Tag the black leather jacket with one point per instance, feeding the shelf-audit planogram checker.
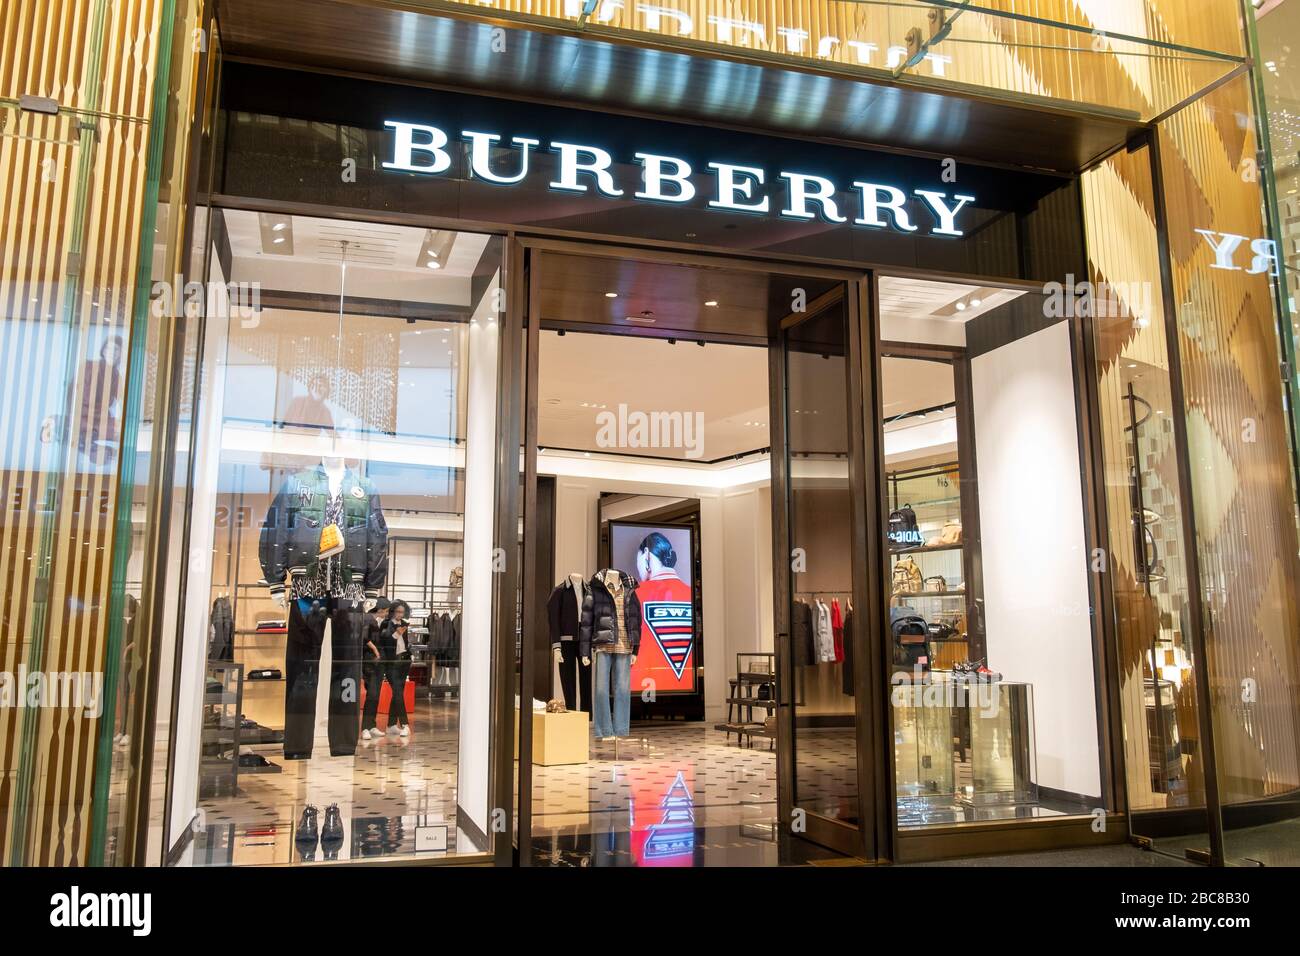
(290, 540)
(599, 623)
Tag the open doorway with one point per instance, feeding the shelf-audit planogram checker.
(649, 646)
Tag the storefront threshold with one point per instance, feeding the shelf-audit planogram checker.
(1011, 836)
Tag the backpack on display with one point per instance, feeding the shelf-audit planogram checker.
(937, 584)
(907, 577)
(903, 531)
(911, 640)
(951, 533)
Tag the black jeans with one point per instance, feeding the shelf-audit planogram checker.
(302, 674)
(372, 671)
(575, 678)
(396, 671)
(375, 672)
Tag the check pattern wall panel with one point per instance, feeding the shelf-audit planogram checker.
(1243, 493)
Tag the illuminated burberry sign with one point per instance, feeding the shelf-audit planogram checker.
(418, 148)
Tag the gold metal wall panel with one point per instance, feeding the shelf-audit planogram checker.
(1242, 488)
(1134, 57)
(70, 224)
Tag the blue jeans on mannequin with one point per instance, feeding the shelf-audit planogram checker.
(619, 668)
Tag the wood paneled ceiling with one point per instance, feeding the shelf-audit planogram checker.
(380, 40)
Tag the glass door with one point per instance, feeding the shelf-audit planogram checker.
(824, 609)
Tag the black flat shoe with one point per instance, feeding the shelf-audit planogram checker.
(307, 834)
(331, 834)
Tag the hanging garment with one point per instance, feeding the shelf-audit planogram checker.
(825, 637)
(221, 631)
(802, 643)
(837, 629)
(846, 675)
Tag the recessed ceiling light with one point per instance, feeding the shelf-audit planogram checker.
(278, 239)
(975, 303)
(711, 303)
(280, 227)
(434, 264)
(961, 306)
(611, 295)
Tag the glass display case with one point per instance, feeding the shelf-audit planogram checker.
(963, 751)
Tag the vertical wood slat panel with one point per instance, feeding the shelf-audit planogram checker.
(48, 47)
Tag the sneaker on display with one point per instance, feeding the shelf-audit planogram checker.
(365, 735)
(405, 731)
(376, 733)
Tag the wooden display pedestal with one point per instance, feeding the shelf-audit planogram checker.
(560, 738)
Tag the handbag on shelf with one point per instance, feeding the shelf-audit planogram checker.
(937, 584)
(939, 630)
(903, 531)
(951, 534)
(906, 577)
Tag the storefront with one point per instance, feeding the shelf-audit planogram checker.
(901, 447)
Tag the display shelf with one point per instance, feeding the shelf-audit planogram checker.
(219, 774)
(743, 697)
(925, 549)
(958, 592)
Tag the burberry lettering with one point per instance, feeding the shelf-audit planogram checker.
(418, 148)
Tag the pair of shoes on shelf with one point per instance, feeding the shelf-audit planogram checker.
(309, 833)
(974, 671)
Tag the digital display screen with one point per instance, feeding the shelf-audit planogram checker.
(660, 558)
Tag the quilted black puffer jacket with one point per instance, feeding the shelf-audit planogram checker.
(599, 623)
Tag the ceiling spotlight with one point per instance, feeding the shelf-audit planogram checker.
(711, 303)
(700, 344)
(436, 248)
(611, 295)
(276, 233)
(672, 341)
(975, 303)
(961, 306)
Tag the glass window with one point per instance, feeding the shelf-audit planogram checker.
(335, 672)
(991, 624)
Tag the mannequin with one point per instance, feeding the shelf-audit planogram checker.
(571, 677)
(324, 554)
(609, 635)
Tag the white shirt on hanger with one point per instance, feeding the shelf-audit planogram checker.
(825, 636)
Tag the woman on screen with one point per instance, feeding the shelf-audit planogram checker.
(667, 614)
